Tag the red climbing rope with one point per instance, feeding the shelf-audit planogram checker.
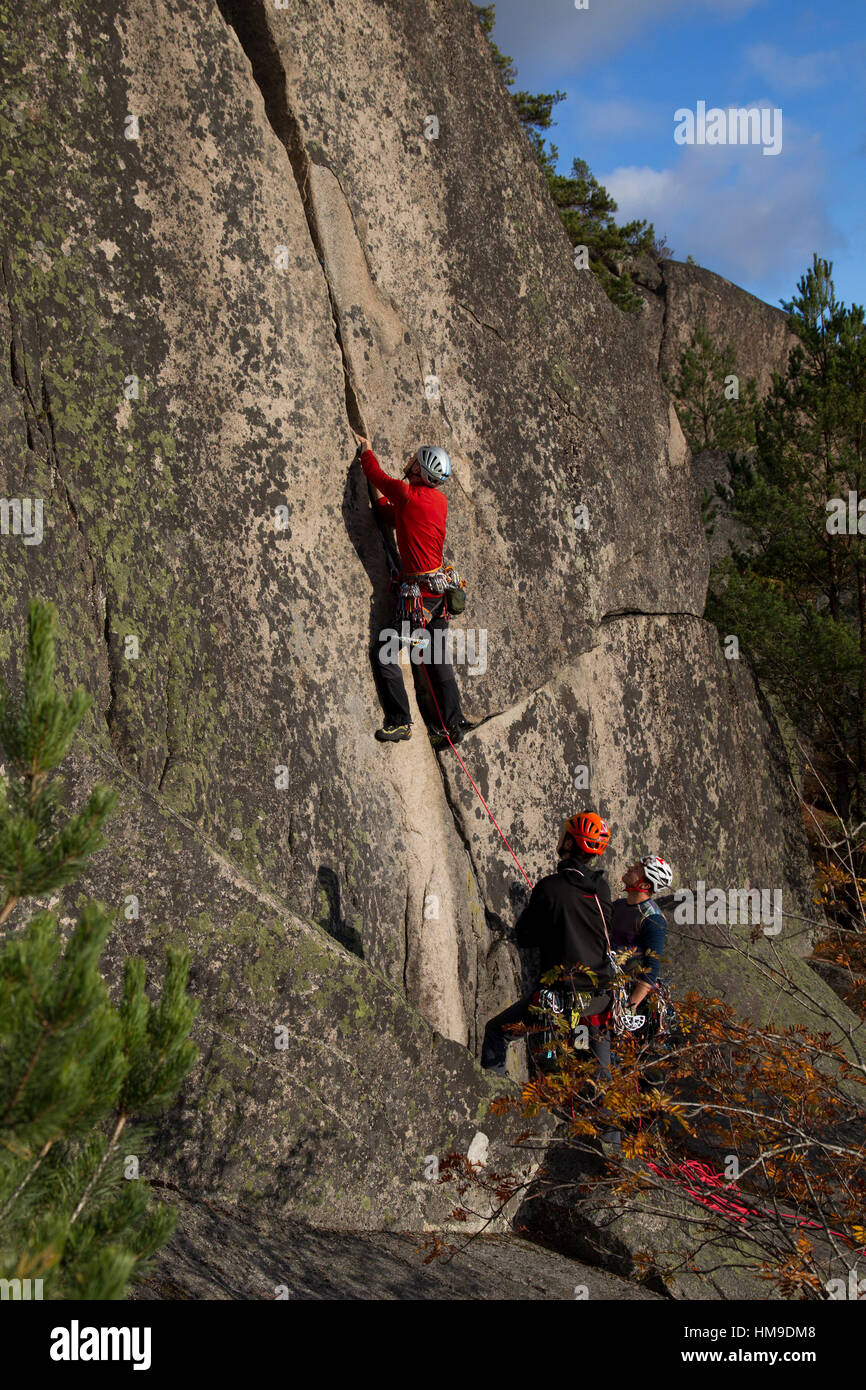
(469, 775)
(709, 1188)
(694, 1177)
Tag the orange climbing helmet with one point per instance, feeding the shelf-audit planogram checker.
(589, 832)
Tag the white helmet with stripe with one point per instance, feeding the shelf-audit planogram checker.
(657, 871)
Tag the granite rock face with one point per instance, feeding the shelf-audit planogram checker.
(228, 240)
(212, 1255)
(679, 296)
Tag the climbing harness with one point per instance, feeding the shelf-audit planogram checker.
(410, 604)
(454, 589)
(438, 581)
(561, 1015)
(572, 1002)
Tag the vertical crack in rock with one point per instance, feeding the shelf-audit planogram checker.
(664, 318)
(406, 942)
(98, 581)
(36, 405)
(18, 357)
(477, 1024)
(170, 752)
(458, 820)
(248, 19)
(111, 711)
(166, 765)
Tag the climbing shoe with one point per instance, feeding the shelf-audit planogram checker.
(439, 739)
(394, 733)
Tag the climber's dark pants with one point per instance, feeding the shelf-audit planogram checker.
(495, 1045)
(599, 1046)
(392, 691)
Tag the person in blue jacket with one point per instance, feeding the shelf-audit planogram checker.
(637, 923)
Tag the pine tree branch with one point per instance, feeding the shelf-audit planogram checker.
(121, 1121)
(26, 1077)
(46, 1029)
(25, 1180)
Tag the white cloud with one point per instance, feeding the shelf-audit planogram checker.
(804, 71)
(565, 39)
(644, 192)
(746, 217)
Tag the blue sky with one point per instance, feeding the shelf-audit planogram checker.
(628, 65)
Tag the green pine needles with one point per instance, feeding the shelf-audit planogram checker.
(707, 392)
(585, 207)
(794, 589)
(77, 1073)
(37, 857)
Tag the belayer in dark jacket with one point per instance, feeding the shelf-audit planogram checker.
(568, 918)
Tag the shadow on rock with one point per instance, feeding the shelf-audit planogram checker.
(330, 917)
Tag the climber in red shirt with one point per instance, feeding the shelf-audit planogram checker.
(417, 510)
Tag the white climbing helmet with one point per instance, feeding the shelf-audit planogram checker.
(657, 871)
(434, 463)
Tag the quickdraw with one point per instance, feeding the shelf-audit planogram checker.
(410, 605)
(562, 1012)
(558, 1022)
(620, 1017)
